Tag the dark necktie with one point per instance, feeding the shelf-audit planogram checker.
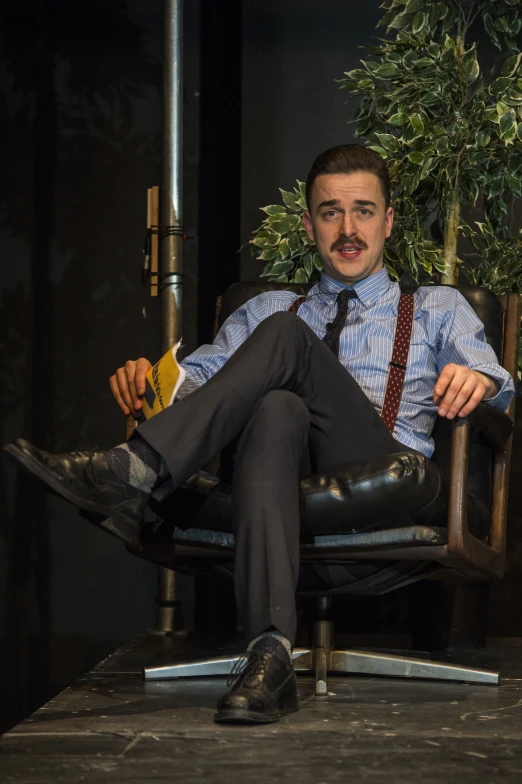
(334, 329)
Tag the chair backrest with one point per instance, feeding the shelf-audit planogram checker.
(492, 312)
(239, 293)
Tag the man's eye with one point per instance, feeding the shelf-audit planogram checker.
(330, 214)
(364, 212)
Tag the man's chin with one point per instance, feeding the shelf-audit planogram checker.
(350, 271)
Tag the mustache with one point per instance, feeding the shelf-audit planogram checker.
(343, 240)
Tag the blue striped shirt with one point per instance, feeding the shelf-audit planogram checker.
(445, 330)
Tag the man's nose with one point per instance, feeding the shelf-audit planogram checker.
(348, 226)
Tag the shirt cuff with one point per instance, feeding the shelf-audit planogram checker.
(507, 388)
(189, 385)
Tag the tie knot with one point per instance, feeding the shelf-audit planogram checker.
(346, 294)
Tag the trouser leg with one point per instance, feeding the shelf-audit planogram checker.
(282, 353)
(269, 457)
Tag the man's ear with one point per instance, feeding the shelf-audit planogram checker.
(389, 221)
(307, 223)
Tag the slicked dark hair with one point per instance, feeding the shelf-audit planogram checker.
(347, 159)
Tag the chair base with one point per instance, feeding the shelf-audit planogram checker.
(325, 662)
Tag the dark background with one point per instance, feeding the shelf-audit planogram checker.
(80, 142)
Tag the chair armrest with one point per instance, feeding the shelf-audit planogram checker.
(496, 426)
(488, 560)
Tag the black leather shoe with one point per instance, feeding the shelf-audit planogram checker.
(265, 689)
(86, 479)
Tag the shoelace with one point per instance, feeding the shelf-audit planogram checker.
(89, 470)
(83, 452)
(245, 666)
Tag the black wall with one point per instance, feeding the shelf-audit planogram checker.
(80, 142)
(292, 106)
(80, 122)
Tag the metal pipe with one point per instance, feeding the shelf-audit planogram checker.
(171, 249)
(169, 616)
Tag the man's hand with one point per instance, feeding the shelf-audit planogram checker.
(128, 385)
(459, 390)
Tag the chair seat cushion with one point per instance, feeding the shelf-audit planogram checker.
(390, 537)
(357, 496)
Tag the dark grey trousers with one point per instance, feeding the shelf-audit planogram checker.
(294, 410)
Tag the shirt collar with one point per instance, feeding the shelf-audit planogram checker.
(368, 290)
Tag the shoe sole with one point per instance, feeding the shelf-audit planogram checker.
(114, 523)
(289, 704)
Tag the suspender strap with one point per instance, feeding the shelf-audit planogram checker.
(399, 360)
(294, 307)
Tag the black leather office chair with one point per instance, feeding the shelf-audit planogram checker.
(404, 517)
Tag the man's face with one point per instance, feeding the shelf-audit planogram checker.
(349, 223)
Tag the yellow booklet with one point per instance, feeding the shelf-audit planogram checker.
(162, 383)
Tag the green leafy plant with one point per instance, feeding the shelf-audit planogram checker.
(458, 150)
(282, 241)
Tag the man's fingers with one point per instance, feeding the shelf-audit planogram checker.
(443, 382)
(130, 372)
(474, 400)
(128, 385)
(116, 392)
(451, 392)
(463, 396)
(142, 368)
(123, 386)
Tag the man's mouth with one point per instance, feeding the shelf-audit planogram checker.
(349, 251)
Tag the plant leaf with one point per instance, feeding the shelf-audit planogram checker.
(513, 96)
(483, 137)
(266, 242)
(490, 29)
(294, 243)
(308, 263)
(400, 118)
(472, 70)
(282, 267)
(511, 65)
(507, 122)
(290, 199)
(318, 264)
(269, 254)
(419, 21)
(417, 123)
(400, 21)
(274, 209)
(266, 270)
(388, 141)
(382, 152)
(387, 71)
(300, 276)
(499, 85)
(414, 5)
(282, 224)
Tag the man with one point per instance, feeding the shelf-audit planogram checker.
(300, 393)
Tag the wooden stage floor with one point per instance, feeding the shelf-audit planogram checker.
(111, 726)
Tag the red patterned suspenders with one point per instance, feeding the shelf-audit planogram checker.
(399, 360)
(294, 307)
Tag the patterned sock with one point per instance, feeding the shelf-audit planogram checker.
(273, 642)
(138, 464)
